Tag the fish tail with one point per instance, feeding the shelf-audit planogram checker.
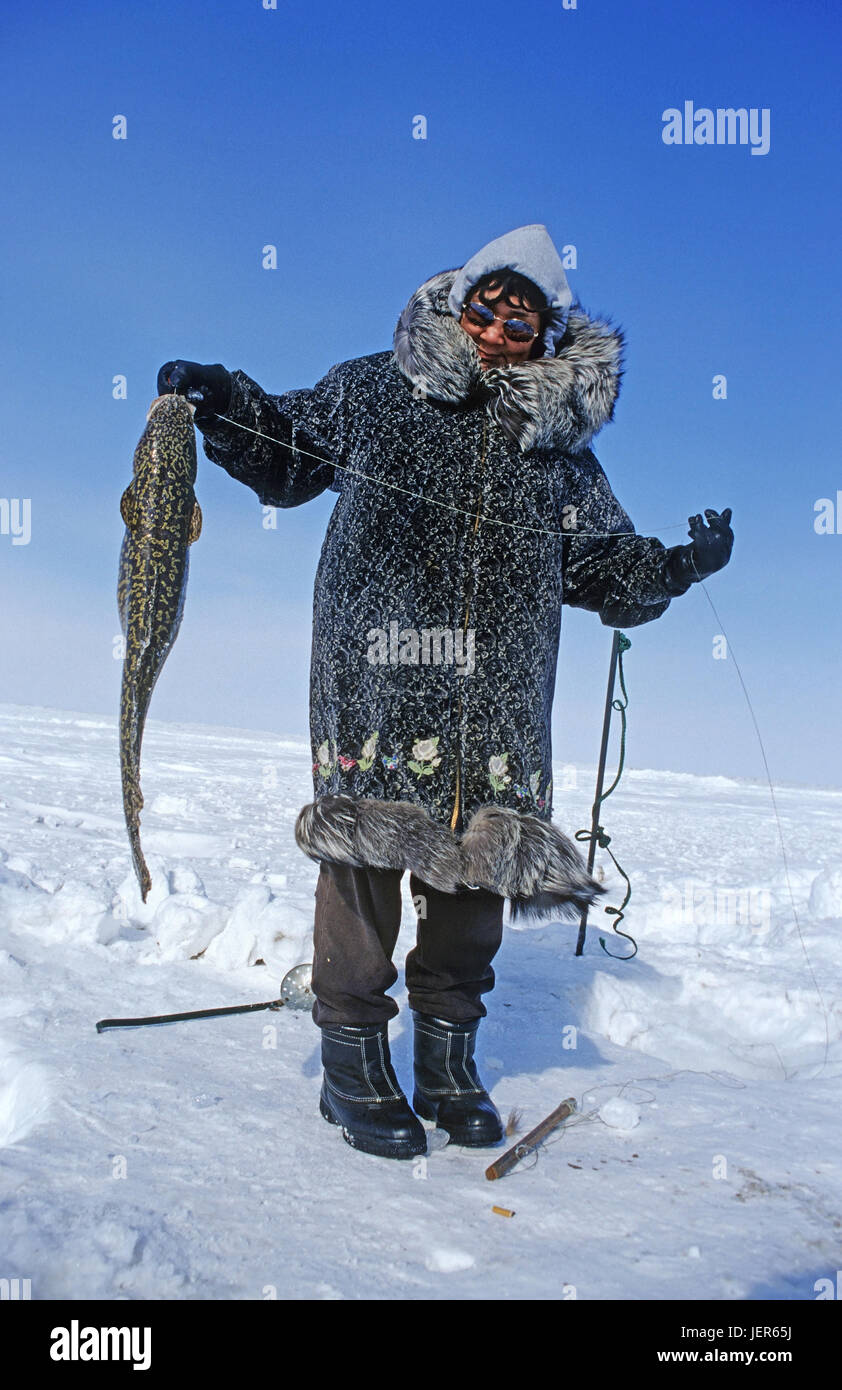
(132, 806)
(132, 719)
(140, 867)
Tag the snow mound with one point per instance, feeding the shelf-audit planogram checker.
(751, 1024)
(826, 894)
(698, 912)
(263, 927)
(73, 910)
(24, 1095)
(618, 1113)
(185, 925)
(714, 781)
(446, 1260)
(182, 923)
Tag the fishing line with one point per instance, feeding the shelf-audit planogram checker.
(582, 1116)
(777, 821)
(600, 535)
(433, 501)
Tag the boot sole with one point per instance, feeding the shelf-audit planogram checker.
(380, 1148)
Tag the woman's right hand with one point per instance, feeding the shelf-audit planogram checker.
(206, 387)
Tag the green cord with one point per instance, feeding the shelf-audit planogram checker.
(602, 839)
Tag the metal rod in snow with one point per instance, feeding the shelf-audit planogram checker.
(105, 1023)
(600, 779)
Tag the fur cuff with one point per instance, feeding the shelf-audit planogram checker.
(369, 833)
(529, 861)
(518, 856)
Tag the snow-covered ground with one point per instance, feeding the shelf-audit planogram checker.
(189, 1161)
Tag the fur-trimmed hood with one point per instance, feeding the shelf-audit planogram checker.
(556, 402)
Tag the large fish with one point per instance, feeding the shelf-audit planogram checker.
(162, 520)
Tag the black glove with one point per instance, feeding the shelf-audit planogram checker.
(709, 552)
(208, 388)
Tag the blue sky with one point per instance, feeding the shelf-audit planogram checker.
(293, 126)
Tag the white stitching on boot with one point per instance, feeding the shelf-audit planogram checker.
(383, 1065)
(447, 1036)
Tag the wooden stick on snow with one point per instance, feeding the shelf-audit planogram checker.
(530, 1141)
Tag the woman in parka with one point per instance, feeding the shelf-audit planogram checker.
(470, 508)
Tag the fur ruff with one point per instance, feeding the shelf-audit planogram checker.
(367, 832)
(529, 861)
(516, 855)
(556, 402)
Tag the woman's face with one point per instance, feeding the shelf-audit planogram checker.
(494, 348)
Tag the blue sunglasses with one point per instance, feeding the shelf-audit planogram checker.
(482, 317)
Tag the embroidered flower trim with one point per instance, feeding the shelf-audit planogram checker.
(325, 765)
(425, 756)
(423, 762)
(524, 793)
(366, 757)
(498, 771)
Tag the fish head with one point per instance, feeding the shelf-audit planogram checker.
(171, 405)
(168, 442)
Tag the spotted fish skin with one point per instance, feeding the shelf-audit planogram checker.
(162, 520)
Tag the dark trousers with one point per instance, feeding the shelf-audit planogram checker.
(358, 914)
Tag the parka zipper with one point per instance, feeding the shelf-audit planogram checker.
(456, 805)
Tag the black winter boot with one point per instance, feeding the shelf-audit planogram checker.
(360, 1092)
(447, 1087)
